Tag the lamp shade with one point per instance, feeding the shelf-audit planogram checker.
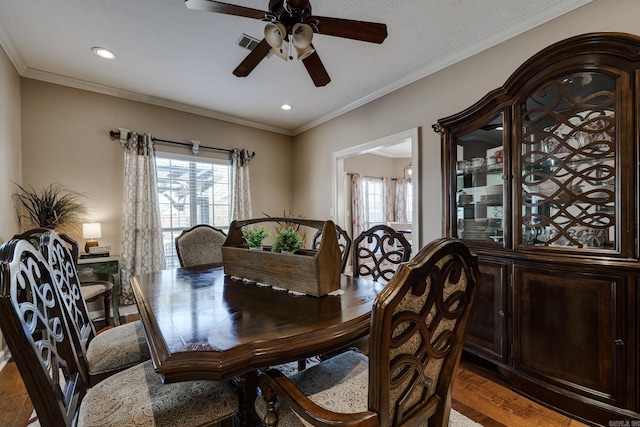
(91, 230)
(408, 171)
(274, 33)
(302, 35)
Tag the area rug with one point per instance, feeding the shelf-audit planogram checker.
(456, 419)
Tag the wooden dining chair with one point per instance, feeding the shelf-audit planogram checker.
(97, 286)
(36, 326)
(112, 350)
(418, 325)
(344, 243)
(378, 251)
(200, 245)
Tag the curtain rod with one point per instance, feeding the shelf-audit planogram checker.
(372, 177)
(116, 134)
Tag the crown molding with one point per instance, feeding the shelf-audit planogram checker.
(147, 99)
(496, 38)
(12, 52)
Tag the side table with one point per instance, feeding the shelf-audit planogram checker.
(111, 265)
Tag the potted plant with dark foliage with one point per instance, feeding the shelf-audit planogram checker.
(52, 207)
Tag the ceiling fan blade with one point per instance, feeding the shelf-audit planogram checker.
(357, 30)
(253, 59)
(228, 9)
(316, 70)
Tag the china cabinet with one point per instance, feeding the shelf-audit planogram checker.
(541, 180)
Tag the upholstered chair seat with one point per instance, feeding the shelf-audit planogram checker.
(90, 292)
(327, 384)
(137, 397)
(117, 348)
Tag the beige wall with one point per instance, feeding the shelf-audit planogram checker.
(65, 137)
(370, 165)
(422, 103)
(10, 160)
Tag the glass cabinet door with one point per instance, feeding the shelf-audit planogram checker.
(567, 164)
(480, 183)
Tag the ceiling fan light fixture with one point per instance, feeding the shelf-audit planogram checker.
(302, 35)
(301, 38)
(282, 52)
(305, 53)
(275, 34)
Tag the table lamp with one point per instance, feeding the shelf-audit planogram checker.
(91, 231)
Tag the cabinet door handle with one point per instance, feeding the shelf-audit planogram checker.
(505, 177)
(501, 313)
(619, 342)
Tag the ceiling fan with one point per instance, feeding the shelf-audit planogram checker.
(290, 22)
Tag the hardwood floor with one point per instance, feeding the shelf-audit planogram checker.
(478, 393)
(481, 394)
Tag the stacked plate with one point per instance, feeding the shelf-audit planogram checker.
(475, 229)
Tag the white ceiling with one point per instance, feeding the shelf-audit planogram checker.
(171, 56)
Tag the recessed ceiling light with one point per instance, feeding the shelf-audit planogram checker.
(286, 107)
(103, 53)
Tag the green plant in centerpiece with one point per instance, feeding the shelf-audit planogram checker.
(287, 240)
(255, 235)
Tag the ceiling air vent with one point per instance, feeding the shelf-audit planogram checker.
(248, 42)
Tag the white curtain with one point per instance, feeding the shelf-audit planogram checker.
(388, 199)
(401, 200)
(142, 248)
(357, 205)
(240, 189)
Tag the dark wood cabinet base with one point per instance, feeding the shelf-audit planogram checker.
(586, 410)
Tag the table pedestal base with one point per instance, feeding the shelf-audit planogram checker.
(247, 387)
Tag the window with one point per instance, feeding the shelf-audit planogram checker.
(191, 191)
(373, 202)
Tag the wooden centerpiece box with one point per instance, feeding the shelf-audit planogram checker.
(313, 272)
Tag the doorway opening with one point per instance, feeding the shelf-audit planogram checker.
(403, 144)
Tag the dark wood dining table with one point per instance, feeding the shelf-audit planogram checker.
(203, 324)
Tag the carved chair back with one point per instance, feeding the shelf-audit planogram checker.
(378, 251)
(418, 325)
(59, 255)
(105, 280)
(34, 323)
(34, 235)
(344, 243)
(200, 245)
